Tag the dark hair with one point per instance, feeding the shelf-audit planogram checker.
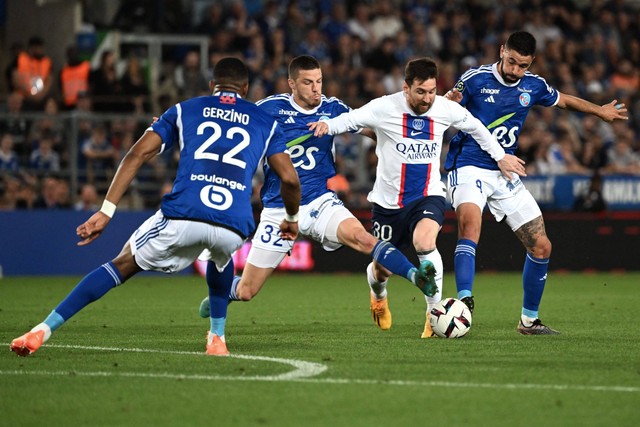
(420, 69)
(35, 41)
(522, 42)
(303, 62)
(230, 71)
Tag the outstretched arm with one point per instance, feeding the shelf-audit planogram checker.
(290, 192)
(607, 112)
(143, 150)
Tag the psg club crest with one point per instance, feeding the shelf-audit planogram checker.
(525, 99)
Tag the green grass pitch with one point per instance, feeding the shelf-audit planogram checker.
(306, 353)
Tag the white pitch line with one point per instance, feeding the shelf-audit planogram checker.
(443, 384)
(302, 369)
(303, 373)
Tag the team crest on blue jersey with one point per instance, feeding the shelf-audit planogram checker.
(525, 99)
(228, 98)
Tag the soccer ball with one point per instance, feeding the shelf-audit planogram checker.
(450, 318)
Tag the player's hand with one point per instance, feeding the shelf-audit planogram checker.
(511, 164)
(92, 228)
(288, 230)
(614, 111)
(318, 128)
(454, 95)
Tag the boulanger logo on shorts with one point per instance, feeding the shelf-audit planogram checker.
(217, 196)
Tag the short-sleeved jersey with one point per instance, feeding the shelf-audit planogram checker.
(222, 140)
(501, 107)
(313, 158)
(408, 145)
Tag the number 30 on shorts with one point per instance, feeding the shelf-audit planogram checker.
(382, 232)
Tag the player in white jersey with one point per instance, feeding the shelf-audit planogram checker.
(222, 139)
(408, 195)
(323, 217)
(501, 95)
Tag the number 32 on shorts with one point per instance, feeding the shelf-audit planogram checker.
(271, 235)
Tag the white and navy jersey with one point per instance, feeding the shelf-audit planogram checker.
(222, 140)
(501, 107)
(409, 145)
(313, 158)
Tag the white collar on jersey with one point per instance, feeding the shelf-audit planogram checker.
(218, 92)
(302, 110)
(496, 74)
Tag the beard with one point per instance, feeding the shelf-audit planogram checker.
(508, 78)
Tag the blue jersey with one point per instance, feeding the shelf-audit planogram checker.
(312, 157)
(222, 139)
(501, 107)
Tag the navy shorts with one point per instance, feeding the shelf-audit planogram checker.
(396, 225)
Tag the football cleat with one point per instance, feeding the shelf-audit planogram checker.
(205, 309)
(216, 346)
(536, 328)
(426, 278)
(28, 343)
(428, 332)
(468, 301)
(380, 312)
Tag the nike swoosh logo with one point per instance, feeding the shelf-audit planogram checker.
(426, 212)
(413, 133)
(299, 140)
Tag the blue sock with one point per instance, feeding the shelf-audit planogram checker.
(219, 288)
(234, 287)
(54, 321)
(217, 325)
(93, 286)
(393, 259)
(534, 277)
(464, 260)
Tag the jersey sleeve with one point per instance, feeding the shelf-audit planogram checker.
(354, 120)
(464, 87)
(167, 127)
(276, 142)
(549, 96)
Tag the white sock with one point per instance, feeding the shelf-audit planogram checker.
(210, 336)
(43, 327)
(378, 289)
(436, 259)
(526, 320)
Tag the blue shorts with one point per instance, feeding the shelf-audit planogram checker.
(396, 225)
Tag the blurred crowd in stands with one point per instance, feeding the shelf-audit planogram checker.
(59, 117)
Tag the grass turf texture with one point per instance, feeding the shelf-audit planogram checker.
(589, 375)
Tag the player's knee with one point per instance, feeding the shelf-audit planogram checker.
(542, 248)
(244, 293)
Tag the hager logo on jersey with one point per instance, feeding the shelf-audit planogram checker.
(417, 127)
